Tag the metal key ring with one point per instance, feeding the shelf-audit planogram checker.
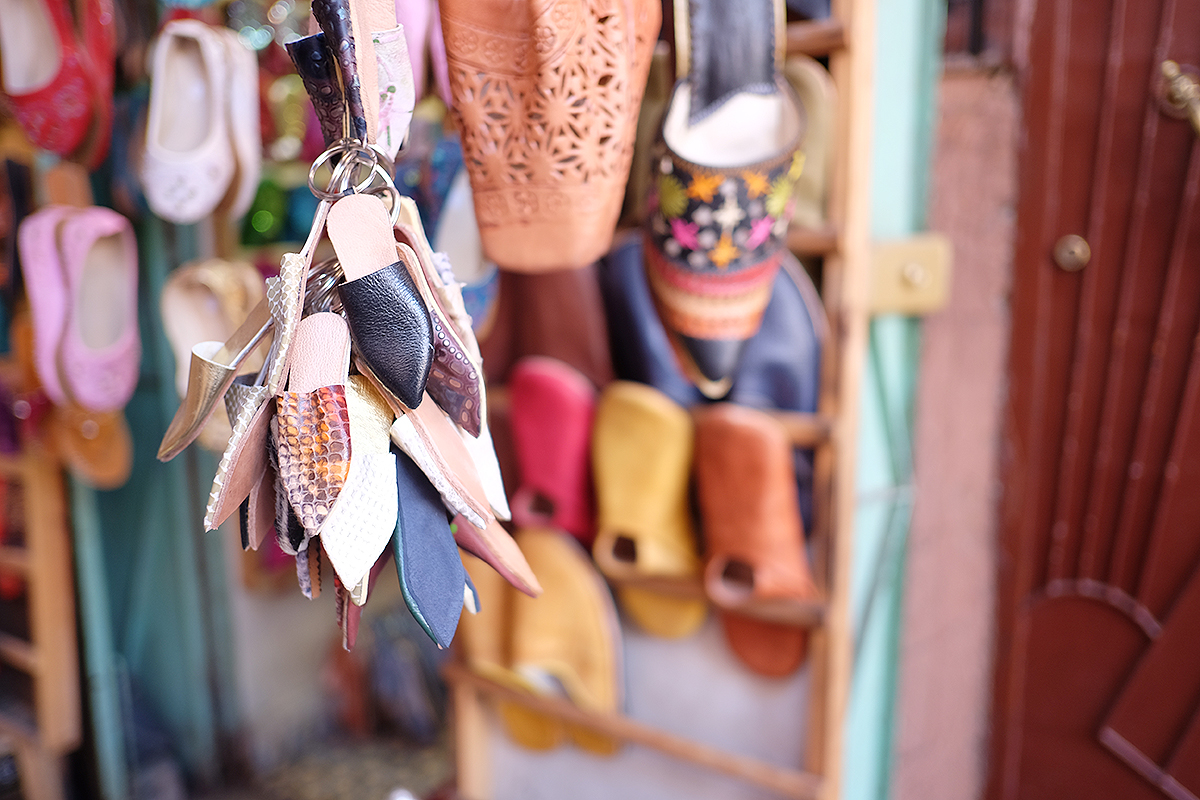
(341, 179)
(321, 292)
(351, 155)
(344, 147)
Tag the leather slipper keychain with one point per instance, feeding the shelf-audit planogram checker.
(388, 320)
(428, 566)
(246, 401)
(313, 421)
(360, 525)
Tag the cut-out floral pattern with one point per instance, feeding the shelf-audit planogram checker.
(548, 125)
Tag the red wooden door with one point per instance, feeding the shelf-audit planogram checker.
(1100, 524)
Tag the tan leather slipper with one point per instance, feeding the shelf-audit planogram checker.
(754, 539)
(97, 446)
(485, 639)
(207, 300)
(818, 95)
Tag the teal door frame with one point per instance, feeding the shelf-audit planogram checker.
(908, 52)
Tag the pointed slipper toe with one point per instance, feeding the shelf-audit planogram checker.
(430, 570)
(389, 321)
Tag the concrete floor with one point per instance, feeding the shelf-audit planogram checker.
(374, 769)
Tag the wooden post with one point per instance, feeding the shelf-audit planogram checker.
(51, 604)
(471, 745)
(847, 275)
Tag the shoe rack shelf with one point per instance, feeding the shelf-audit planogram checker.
(798, 613)
(789, 783)
(847, 39)
(817, 38)
(807, 242)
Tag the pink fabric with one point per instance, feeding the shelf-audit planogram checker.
(416, 16)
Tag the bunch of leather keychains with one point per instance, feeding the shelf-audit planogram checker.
(365, 431)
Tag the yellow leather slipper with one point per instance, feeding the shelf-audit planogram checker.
(641, 462)
(485, 640)
(568, 641)
(817, 93)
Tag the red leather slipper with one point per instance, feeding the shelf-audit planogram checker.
(552, 408)
(99, 44)
(45, 73)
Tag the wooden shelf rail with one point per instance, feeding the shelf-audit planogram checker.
(19, 653)
(11, 467)
(812, 241)
(804, 430)
(795, 784)
(14, 559)
(50, 656)
(798, 613)
(815, 38)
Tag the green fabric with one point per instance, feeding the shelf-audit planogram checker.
(167, 631)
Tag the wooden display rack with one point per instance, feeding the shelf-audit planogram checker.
(847, 38)
(50, 657)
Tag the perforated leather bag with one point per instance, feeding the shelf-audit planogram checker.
(546, 94)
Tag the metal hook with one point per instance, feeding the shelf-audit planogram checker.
(352, 155)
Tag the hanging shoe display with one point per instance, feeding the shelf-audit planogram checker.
(45, 73)
(202, 132)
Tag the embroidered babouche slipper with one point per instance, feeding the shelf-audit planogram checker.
(728, 160)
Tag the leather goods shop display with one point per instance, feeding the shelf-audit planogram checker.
(451, 296)
(351, 403)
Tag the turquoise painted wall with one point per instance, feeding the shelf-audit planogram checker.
(908, 50)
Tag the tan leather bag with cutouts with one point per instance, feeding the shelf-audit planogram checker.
(546, 96)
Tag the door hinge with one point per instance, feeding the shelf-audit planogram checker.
(910, 276)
